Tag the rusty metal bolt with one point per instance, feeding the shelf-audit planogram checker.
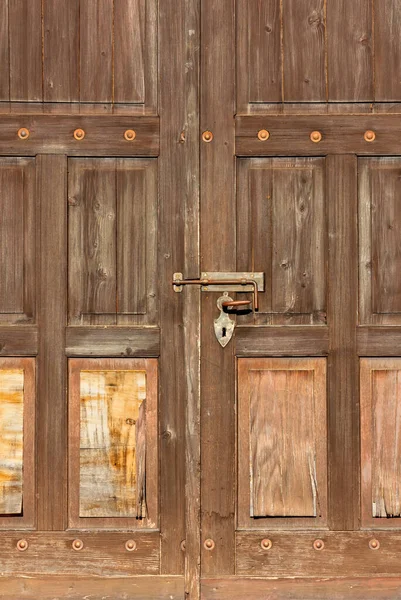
(263, 135)
(318, 544)
(207, 136)
(266, 544)
(22, 545)
(130, 545)
(374, 544)
(79, 134)
(316, 137)
(23, 133)
(369, 136)
(209, 544)
(130, 135)
(77, 545)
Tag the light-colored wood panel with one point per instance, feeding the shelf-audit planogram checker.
(113, 443)
(282, 400)
(380, 442)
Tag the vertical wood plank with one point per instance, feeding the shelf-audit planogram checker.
(259, 69)
(304, 50)
(349, 39)
(51, 402)
(218, 225)
(61, 50)
(179, 37)
(130, 52)
(4, 52)
(25, 31)
(96, 50)
(387, 24)
(342, 363)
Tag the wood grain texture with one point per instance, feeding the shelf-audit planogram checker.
(96, 51)
(343, 421)
(218, 226)
(359, 588)
(259, 68)
(379, 252)
(387, 55)
(349, 48)
(379, 341)
(25, 39)
(18, 341)
(105, 424)
(281, 341)
(52, 402)
(17, 465)
(130, 45)
(304, 50)
(4, 52)
(144, 587)
(279, 401)
(61, 50)
(111, 341)
(53, 134)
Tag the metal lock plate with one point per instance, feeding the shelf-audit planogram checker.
(223, 325)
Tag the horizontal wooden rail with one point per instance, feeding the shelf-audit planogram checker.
(282, 341)
(113, 341)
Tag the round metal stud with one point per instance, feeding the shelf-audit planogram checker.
(316, 137)
(183, 546)
(207, 136)
(22, 545)
(374, 544)
(369, 136)
(23, 133)
(79, 134)
(266, 544)
(130, 545)
(130, 135)
(263, 135)
(77, 545)
(318, 544)
(209, 544)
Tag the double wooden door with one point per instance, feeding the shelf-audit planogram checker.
(139, 458)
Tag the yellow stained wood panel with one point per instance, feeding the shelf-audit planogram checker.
(112, 448)
(11, 440)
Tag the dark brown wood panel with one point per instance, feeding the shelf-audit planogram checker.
(61, 48)
(18, 341)
(304, 50)
(343, 422)
(379, 341)
(387, 49)
(52, 401)
(281, 341)
(259, 68)
(18, 235)
(25, 39)
(111, 341)
(4, 52)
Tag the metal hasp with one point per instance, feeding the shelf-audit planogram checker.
(226, 282)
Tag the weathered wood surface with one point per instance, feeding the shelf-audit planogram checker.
(387, 49)
(281, 232)
(111, 341)
(113, 441)
(237, 588)
(280, 401)
(18, 341)
(281, 341)
(11, 440)
(379, 341)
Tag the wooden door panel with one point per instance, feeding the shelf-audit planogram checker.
(282, 232)
(282, 439)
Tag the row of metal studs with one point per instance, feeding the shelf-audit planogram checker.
(79, 134)
(316, 136)
(267, 544)
(23, 545)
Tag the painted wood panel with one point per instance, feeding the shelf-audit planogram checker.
(112, 241)
(280, 401)
(17, 234)
(380, 441)
(379, 235)
(281, 231)
(113, 427)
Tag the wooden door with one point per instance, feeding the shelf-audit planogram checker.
(139, 458)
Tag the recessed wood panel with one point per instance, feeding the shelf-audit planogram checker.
(379, 246)
(281, 231)
(17, 435)
(17, 234)
(113, 443)
(380, 441)
(280, 401)
(112, 242)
